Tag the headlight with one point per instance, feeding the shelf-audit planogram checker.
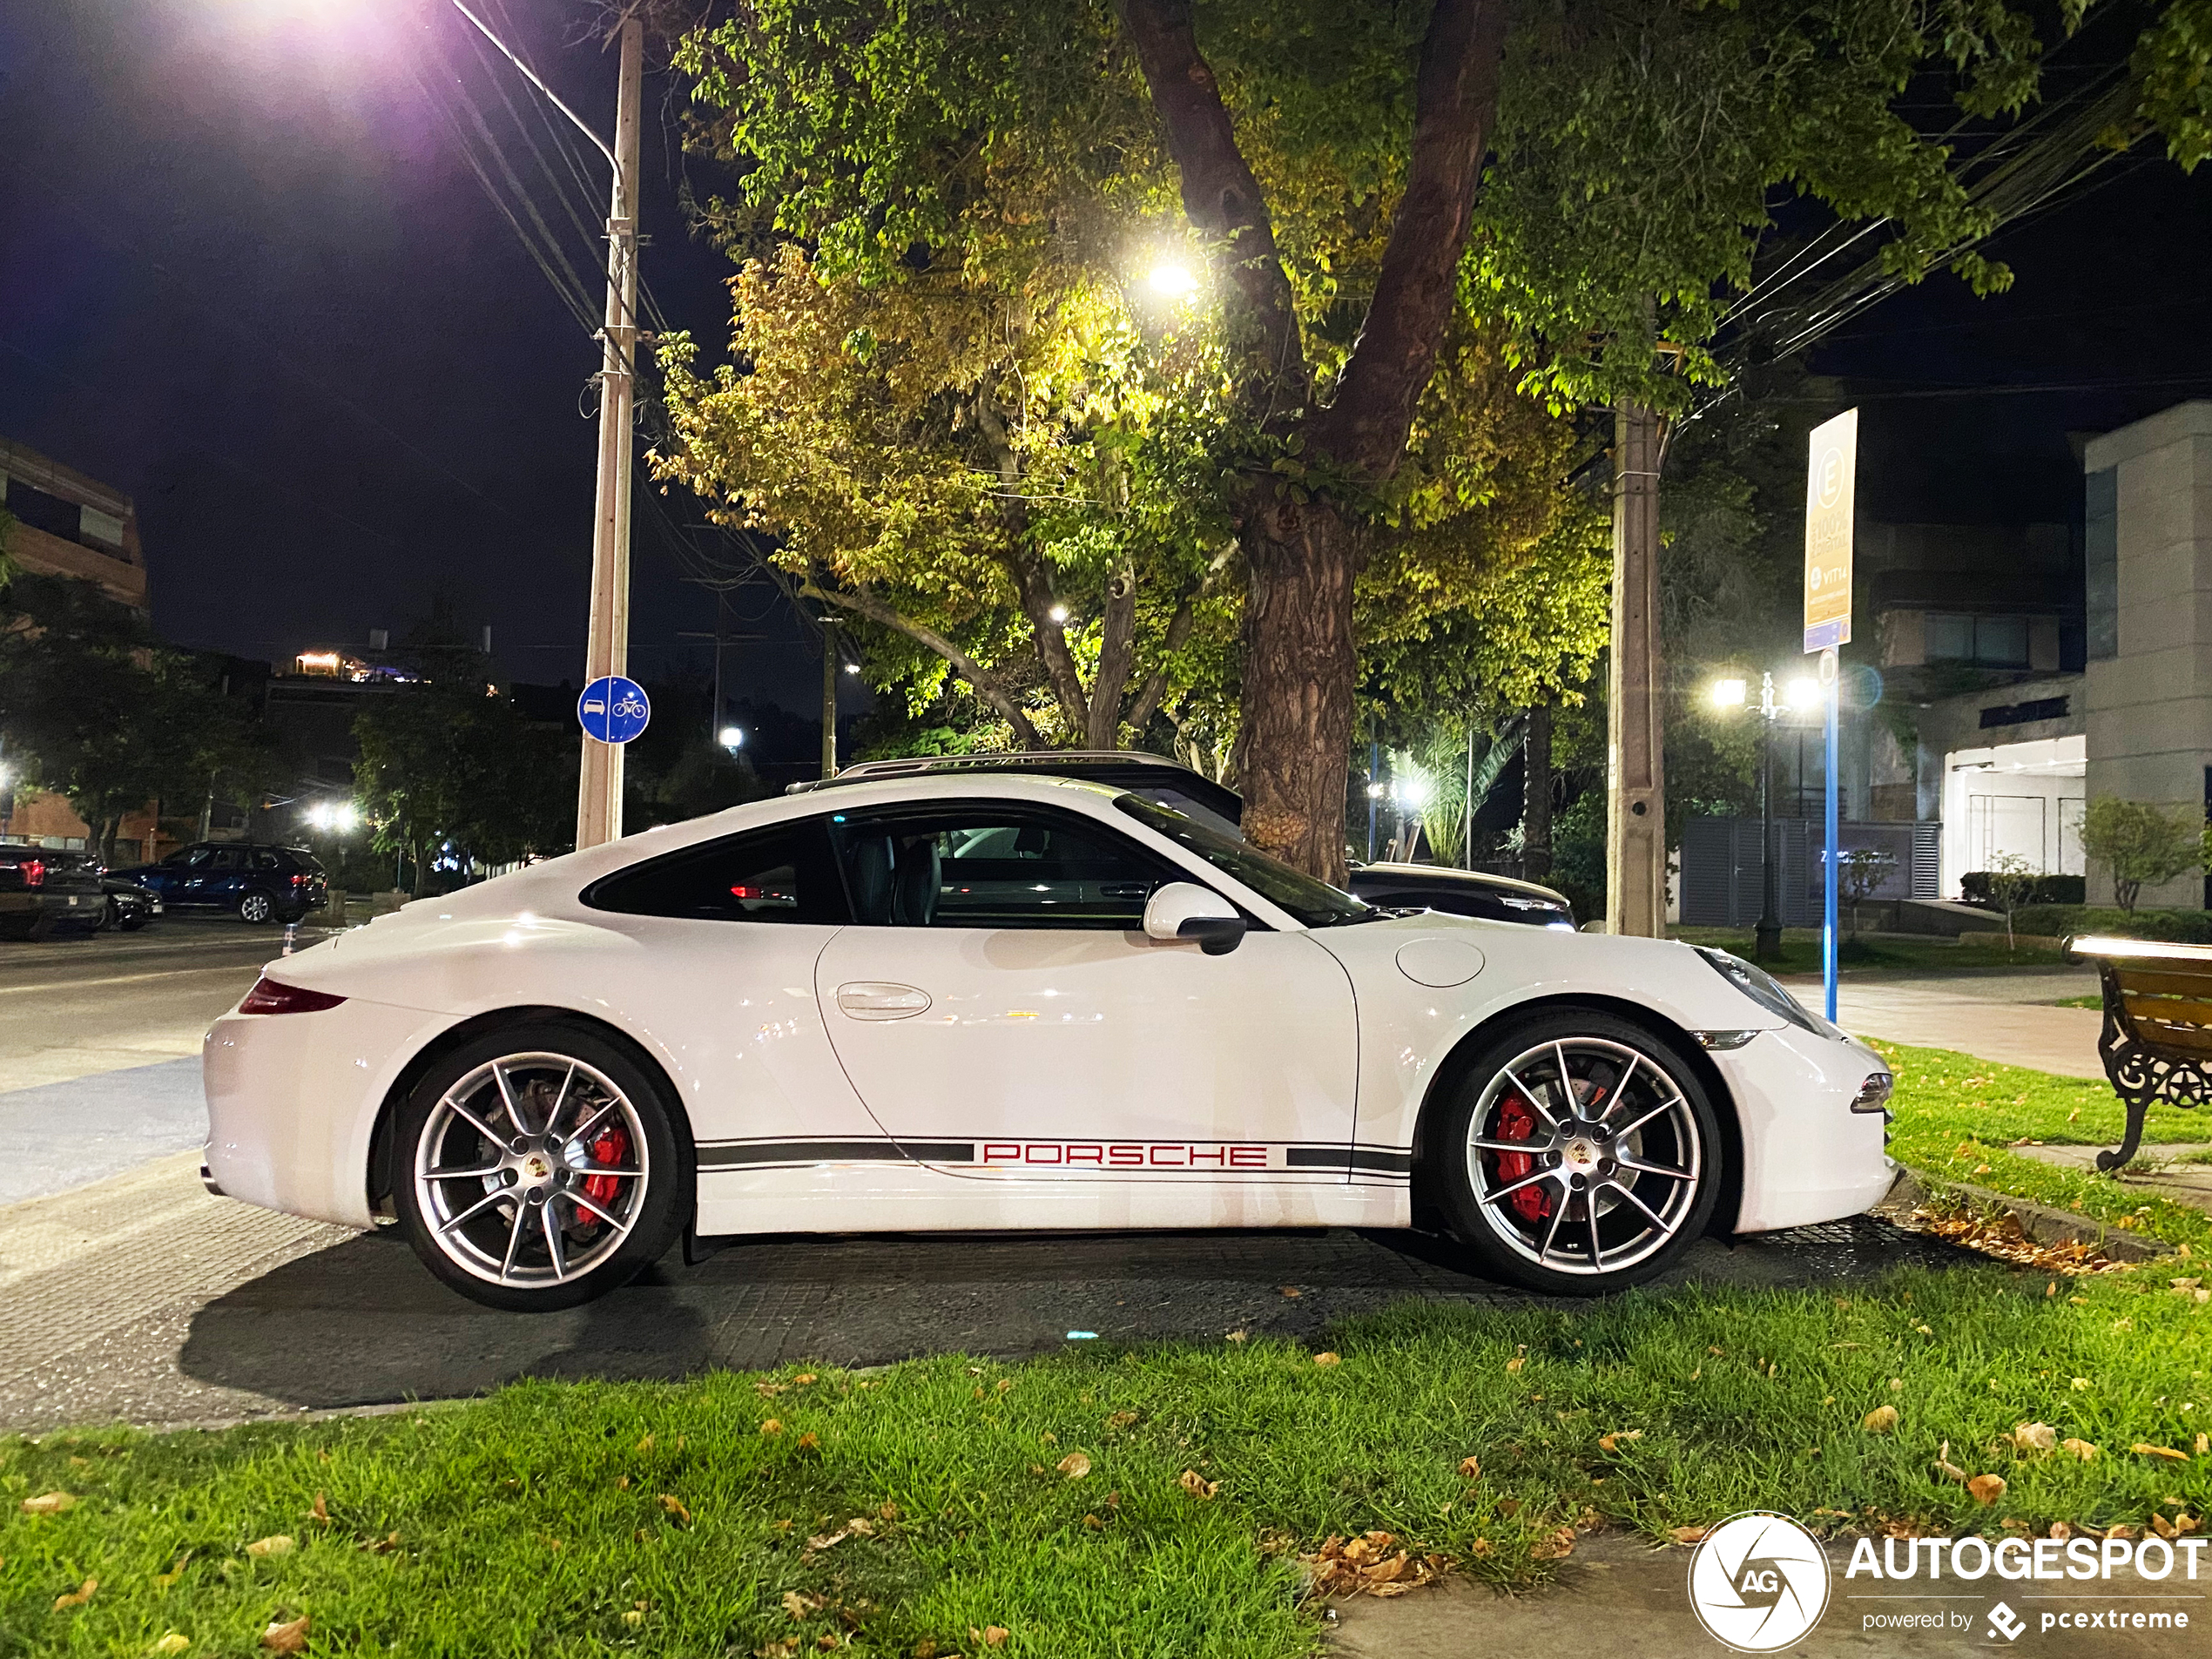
(1764, 989)
(1874, 1094)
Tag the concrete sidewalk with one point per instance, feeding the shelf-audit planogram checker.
(2004, 1015)
(1619, 1597)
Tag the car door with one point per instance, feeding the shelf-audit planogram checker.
(1001, 1012)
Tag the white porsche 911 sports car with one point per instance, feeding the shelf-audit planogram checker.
(1023, 1002)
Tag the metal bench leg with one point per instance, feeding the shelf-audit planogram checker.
(2138, 1107)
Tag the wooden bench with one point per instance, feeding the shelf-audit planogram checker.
(2156, 1043)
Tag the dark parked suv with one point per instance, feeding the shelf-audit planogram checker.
(260, 883)
(42, 892)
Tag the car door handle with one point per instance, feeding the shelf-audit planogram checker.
(1125, 890)
(882, 1000)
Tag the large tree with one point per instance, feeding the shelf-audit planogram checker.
(1328, 162)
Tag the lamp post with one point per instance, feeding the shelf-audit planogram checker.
(1766, 937)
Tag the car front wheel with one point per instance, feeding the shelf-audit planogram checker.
(1579, 1154)
(537, 1167)
(256, 908)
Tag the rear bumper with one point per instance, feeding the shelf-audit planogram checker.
(292, 1099)
(1807, 1157)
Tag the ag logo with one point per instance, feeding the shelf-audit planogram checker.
(1758, 1583)
(2003, 1621)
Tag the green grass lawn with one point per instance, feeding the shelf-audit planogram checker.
(1800, 951)
(717, 1517)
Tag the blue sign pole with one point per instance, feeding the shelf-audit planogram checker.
(1834, 858)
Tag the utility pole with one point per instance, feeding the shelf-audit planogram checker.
(829, 698)
(1536, 796)
(598, 806)
(1635, 839)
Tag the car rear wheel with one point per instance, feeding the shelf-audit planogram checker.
(256, 908)
(1579, 1154)
(537, 1167)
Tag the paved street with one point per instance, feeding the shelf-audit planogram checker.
(2001, 1014)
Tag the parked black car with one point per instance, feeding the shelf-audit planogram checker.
(42, 893)
(1428, 887)
(126, 907)
(258, 882)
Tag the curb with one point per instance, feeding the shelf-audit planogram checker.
(2037, 1221)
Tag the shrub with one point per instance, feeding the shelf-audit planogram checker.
(1975, 886)
(2056, 921)
(2143, 845)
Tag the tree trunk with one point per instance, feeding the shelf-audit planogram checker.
(1536, 797)
(1300, 667)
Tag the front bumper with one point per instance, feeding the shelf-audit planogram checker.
(1807, 1157)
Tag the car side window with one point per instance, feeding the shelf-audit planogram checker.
(192, 858)
(265, 860)
(783, 874)
(226, 858)
(994, 866)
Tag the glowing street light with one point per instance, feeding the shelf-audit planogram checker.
(339, 815)
(1804, 694)
(1173, 282)
(1058, 613)
(1730, 694)
(733, 736)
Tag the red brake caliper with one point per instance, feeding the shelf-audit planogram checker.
(1517, 1122)
(612, 1147)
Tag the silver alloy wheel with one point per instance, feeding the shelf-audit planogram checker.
(506, 1178)
(1606, 1167)
(256, 908)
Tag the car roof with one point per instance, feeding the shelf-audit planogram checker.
(1063, 761)
(1472, 877)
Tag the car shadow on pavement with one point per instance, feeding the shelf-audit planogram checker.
(363, 1323)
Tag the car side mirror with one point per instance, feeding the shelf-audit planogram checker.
(1184, 910)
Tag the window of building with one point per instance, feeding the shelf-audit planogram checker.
(1992, 641)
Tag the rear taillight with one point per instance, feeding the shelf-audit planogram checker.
(274, 997)
(34, 873)
(299, 880)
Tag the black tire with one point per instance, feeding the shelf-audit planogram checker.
(500, 1250)
(1530, 1222)
(132, 923)
(256, 908)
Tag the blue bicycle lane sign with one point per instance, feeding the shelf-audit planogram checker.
(613, 710)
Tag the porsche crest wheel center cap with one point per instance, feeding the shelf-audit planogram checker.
(536, 1168)
(1579, 1154)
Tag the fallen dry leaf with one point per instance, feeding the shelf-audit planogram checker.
(1619, 1438)
(1121, 1419)
(861, 1526)
(2123, 1530)
(1470, 1469)
(1946, 1468)
(646, 1445)
(1197, 1485)
(828, 1540)
(2060, 1529)
(49, 1503)
(1238, 1335)
(1880, 1421)
(164, 1581)
(1986, 1488)
(1074, 1466)
(276, 1544)
(991, 1636)
(286, 1638)
(1555, 1546)
(2082, 1449)
(1292, 1291)
(808, 1443)
(799, 1605)
(1324, 1359)
(2148, 1450)
(889, 1512)
(1516, 1363)
(674, 1506)
(773, 1426)
(78, 1596)
(767, 1390)
(173, 1643)
(1371, 1564)
(1690, 1534)
(804, 1378)
(2163, 1526)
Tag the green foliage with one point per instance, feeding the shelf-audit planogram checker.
(93, 705)
(441, 761)
(2140, 844)
(2172, 65)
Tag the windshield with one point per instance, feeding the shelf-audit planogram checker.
(1314, 903)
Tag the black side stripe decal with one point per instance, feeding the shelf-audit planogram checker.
(1336, 1158)
(841, 1152)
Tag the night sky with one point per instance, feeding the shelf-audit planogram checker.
(250, 279)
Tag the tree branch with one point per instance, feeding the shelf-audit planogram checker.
(1147, 698)
(1116, 655)
(980, 679)
(1224, 203)
(1031, 583)
(1456, 106)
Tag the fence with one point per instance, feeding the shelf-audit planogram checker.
(1721, 866)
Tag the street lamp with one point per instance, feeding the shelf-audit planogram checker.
(1766, 938)
(732, 738)
(1173, 282)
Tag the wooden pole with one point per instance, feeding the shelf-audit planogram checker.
(1636, 840)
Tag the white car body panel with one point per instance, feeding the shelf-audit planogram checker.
(801, 1113)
